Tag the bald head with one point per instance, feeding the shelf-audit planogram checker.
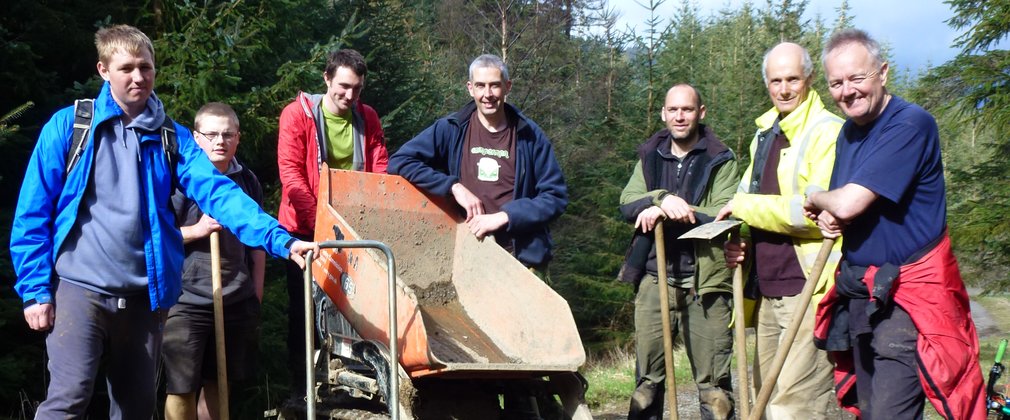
(792, 51)
(685, 89)
(787, 72)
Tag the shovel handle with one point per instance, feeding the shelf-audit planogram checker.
(222, 365)
(768, 384)
(664, 305)
(740, 341)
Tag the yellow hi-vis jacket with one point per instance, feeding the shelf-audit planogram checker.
(804, 166)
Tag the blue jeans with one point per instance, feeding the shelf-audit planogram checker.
(92, 329)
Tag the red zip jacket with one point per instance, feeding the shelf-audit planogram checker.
(933, 294)
(301, 152)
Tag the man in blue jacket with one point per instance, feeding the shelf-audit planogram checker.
(97, 235)
(496, 163)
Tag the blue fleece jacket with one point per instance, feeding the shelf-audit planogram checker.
(50, 203)
(431, 161)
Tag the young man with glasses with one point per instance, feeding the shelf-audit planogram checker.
(897, 318)
(189, 345)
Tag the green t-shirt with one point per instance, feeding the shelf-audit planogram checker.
(339, 140)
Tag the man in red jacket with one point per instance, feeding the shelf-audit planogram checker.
(333, 127)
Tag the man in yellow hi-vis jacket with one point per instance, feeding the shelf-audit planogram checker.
(792, 152)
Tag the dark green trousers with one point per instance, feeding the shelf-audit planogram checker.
(703, 322)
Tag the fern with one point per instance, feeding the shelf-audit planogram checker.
(5, 128)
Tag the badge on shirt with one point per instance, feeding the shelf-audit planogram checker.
(487, 169)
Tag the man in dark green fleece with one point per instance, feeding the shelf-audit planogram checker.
(684, 174)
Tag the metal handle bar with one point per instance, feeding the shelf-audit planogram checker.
(394, 358)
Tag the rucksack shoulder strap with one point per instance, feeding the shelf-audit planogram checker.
(170, 143)
(83, 115)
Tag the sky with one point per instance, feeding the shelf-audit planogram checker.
(915, 31)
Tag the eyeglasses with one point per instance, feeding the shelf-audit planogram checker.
(854, 81)
(213, 135)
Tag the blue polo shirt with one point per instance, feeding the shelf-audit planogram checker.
(896, 156)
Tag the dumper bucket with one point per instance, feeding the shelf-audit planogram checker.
(465, 308)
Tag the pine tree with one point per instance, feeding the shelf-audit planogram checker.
(970, 96)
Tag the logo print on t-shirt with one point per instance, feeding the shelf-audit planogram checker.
(487, 169)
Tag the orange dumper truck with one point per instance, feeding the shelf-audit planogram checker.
(472, 325)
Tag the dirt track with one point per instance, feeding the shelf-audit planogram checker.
(688, 407)
(687, 395)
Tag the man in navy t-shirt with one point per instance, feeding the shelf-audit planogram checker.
(896, 158)
(905, 307)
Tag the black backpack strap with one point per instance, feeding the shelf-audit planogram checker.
(83, 114)
(170, 143)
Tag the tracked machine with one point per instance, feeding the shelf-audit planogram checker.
(473, 326)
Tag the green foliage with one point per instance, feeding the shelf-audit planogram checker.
(970, 96)
(978, 80)
(987, 21)
(978, 85)
(255, 56)
(979, 219)
(611, 380)
(595, 89)
(22, 366)
(8, 129)
(398, 85)
(202, 64)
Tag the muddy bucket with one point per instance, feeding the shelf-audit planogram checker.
(465, 308)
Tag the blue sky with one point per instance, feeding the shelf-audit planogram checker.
(915, 31)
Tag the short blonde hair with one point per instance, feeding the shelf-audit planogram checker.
(217, 109)
(121, 38)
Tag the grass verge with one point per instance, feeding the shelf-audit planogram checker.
(611, 377)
